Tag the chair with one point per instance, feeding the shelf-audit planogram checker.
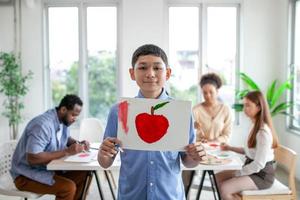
(286, 158)
(91, 130)
(7, 186)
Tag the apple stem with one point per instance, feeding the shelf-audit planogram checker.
(152, 110)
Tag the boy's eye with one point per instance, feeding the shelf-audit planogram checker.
(158, 67)
(142, 67)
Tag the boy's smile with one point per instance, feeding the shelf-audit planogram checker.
(150, 73)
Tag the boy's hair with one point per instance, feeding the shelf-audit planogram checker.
(69, 101)
(149, 49)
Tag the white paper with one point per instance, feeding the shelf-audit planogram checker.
(176, 137)
(82, 157)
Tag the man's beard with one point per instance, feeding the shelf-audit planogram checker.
(65, 121)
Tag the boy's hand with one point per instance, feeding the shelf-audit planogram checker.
(108, 147)
(196, 151)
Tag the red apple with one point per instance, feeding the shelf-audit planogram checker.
(151, 127)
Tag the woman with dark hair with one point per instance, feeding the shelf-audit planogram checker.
(258, 171)
(213, 120)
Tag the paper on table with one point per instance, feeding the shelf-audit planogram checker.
(82, 157)
(95, 145)
(212, 160)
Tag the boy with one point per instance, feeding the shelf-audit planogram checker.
(148, 174)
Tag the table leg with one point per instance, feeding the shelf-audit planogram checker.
(110, 186)
(190, 183)
(98, 184)
(201, 184)
(212, 184)
(86, 181)
(215, 183)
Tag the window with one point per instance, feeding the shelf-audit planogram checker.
(203, 38)
(81, 48)
(295, 65)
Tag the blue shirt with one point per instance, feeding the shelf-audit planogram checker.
(39, 136)
(148, 174)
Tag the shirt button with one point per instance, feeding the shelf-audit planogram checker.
(151, 184)
(151, 162)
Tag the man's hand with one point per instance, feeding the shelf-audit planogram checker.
(74, 148)
(85, 144)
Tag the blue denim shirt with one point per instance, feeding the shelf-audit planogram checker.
(148, 174)
(38, 136)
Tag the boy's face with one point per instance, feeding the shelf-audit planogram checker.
(150, 73)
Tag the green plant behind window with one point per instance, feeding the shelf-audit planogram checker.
(13, 84)
(273, 95)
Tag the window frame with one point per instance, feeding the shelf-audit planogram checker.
(291, 63)
(202, 54)
(82, 6)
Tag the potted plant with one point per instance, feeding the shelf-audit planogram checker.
(13, 84)
(273, 95)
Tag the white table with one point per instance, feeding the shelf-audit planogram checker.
(235, 164)
(93, 166)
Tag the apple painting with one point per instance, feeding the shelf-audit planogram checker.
(151, 127)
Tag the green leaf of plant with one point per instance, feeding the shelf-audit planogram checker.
(249, 82)
(277, 94)
(270, 91)
(238, 107)
(242, 93)
(281, 107)
(157, 106)
(286, 114)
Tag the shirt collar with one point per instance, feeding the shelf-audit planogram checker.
(163, 95)
(56, 120)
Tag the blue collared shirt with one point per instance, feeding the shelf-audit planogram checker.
(148, 174)
(40, 135)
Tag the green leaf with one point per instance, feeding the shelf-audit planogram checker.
(281, 107)
(238, 107)
(270, 91)
(277, 94)
(249, 82)
(160, 105)
(242, 93)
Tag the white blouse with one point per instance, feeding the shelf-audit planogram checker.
(261, 153)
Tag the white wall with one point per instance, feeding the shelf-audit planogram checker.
(264, 49)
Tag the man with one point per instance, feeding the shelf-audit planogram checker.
(46, 137)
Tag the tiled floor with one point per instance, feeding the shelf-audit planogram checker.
(94, 195)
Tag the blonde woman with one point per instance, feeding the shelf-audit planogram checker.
(258, 171)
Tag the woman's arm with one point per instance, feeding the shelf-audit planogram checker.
(263, 149)
(226, 147)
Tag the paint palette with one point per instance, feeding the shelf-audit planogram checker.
(211, 146)
(212, 160)
(219, 154)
